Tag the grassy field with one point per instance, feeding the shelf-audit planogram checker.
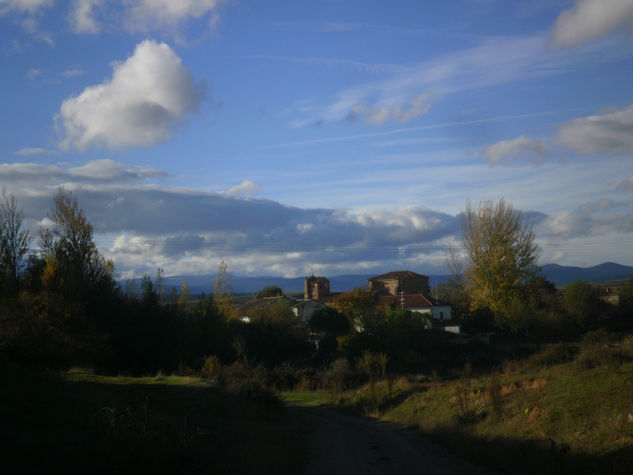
(86, 423)
(556, 412)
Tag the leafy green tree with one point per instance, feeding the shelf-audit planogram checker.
(14, 240)
(359, 306)
(270, 291)
(582, 301)
(222, 292)
(185, 294)
(328, 320)
(79, 264)
(500, 246)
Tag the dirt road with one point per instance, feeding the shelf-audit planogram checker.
(344, 444)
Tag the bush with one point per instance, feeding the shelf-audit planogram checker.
(337, 378)
(550, 355)
(241, 379)
(598, 348)
(211, 368)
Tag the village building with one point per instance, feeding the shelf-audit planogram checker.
(316, 287)
(411, 291)
(397, 282)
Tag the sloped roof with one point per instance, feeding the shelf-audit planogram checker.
(397, 274)
(410, 301)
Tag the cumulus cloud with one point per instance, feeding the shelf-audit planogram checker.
(142, 225)
(82, 19)
(597, 218)
(558, 255)
(610, 133)
(507, 150)
(246, 188)
(147, 15)
(147, 97)
(589, 19)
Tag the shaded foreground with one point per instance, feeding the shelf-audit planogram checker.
(343, 444)
(58, 426)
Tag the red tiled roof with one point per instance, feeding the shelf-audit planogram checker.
(410, 301)
(397, 274)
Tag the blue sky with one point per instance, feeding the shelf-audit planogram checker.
(320, 136)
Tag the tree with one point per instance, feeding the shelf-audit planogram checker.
(359, 306)
(270, 291)
(70, 244)
(185, 293)
(582, 301)
(500, 245)
(328, 320)
(222, 293)
(14, 241)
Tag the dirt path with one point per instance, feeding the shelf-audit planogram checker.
(344, 444)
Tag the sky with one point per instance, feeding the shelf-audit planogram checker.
(328, 137)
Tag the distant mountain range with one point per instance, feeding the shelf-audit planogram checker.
(560, 275)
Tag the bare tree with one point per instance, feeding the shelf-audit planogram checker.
(14, 241)
(500, 245)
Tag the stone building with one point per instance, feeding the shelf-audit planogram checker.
(316, 287)
(393, 283)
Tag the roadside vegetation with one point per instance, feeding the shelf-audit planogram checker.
(541, 378)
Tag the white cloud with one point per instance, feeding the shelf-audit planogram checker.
(23, 6)
(247, 188)
(590, 19)
(391, 111)
(71, 73)
(28, 151)
(31, 176)
(148, 15)
(82, 18)
(507, 150)
(495, 61)
(558, 255)
(147, 97)
(610, 133)
(596, 218)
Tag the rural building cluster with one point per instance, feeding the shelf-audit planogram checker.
(397, 289)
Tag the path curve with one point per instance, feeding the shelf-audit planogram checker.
(344, 444)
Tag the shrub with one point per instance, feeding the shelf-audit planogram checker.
(598, 348)
(550, 355)
(211, 368)
(337, 378)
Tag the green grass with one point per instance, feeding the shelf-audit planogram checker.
(86, 423)
(312, 398)
(550, 419)
(87, 376)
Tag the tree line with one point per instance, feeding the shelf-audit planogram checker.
(62, 306)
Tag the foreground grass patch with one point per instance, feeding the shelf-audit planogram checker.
(95, 424)
(311, 398)
(558, 417)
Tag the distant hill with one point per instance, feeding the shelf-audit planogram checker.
(563, 275)
(560, 275)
